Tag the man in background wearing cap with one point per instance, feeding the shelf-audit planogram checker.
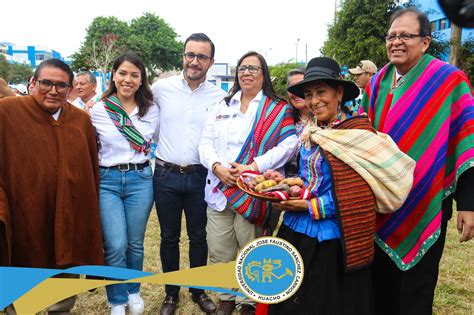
(20, 89)
(363, 73)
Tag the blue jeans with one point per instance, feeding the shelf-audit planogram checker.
(175, 192)
(125, 200)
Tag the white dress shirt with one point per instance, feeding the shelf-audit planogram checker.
(79, 103)
(397, 76)
(224, 134)
(56, 114)
(114, 149)
(183, 113)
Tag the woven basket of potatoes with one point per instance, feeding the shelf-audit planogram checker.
(272, 185)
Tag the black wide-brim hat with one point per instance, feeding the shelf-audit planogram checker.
(325, 69)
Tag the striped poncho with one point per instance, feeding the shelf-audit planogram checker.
(273, 124)
(430, 115)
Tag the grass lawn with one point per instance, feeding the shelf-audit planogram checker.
(454, 294)
(455, 290)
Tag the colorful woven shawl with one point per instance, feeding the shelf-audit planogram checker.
(430, 115)
(374, 156)
(125, 126)
(273, 124)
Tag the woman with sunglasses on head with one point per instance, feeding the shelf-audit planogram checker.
(251, 129)
(126, 121)
(302, 116)
(334, 229)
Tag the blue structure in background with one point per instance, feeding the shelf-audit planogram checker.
(220, 75)
(31, 55)
(440, 25)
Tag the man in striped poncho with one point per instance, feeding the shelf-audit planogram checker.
(427, 107)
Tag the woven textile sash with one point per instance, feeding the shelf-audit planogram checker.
(273, 124)
(374, 156)
(429, 113)
(125, 126)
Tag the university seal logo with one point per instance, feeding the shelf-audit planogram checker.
(269, 270)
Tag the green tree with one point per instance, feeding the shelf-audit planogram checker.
(107, 38)
(466, 58)
(358, 32)
(279, 75)
(156, 43)
(19, 73)
(3, 67)
(149, 35)
(439, 46)
(14, 72)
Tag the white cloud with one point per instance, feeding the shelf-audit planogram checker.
(235, 26)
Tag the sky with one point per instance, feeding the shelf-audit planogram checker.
(279, 30)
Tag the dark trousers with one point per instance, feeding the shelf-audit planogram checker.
(175, 192)
(408, 292)
(326, 288)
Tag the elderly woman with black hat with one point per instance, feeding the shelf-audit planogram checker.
(334, 229)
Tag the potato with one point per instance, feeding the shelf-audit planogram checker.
(276, 175)
(260, 179)
(266, 184)
(268, 173)
(248, 180)
(279, 179)
(279, 187)
(295, 191)
(293, 181)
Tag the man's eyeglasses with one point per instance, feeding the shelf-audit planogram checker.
(402, 37)
(251, 69)
(46, 86)
(189, 56)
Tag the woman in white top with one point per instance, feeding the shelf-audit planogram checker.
(251, 129)
(126, 122)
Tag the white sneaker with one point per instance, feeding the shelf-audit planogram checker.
(117, 310)
(136, 306)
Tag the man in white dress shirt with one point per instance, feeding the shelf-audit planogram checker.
(184, 101)
(86, 84)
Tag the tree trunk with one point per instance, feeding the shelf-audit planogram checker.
(455, 44)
